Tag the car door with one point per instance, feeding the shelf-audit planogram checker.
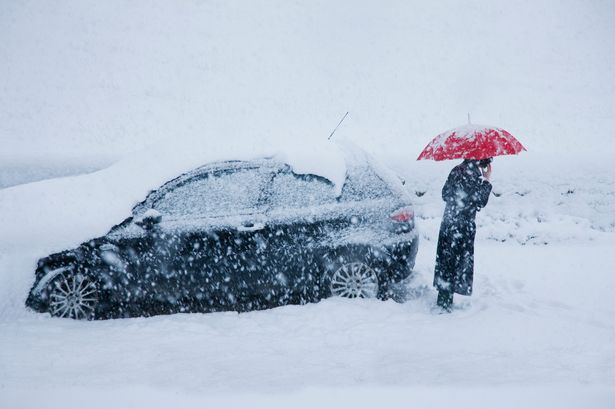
(300, 213)
(218, 218)
(140, 268)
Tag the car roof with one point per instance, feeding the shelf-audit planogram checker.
(356, 160)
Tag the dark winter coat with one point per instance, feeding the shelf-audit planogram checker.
(465, 192)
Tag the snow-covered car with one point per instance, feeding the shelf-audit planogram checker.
(239, 235)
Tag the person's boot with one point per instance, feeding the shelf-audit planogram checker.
(445, 300)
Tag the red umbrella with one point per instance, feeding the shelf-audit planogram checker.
(471, 142)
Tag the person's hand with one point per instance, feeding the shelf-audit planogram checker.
(487, 172)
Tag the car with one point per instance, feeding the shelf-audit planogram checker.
(239, 235)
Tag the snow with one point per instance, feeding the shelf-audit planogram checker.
(137, 93)
(390, 397)
(539, 326)
(323, 159)
(537, 198)
(468, 131)
(531, 324)
(150, 213)
(25, 208)
(17, 169)
(114, 77)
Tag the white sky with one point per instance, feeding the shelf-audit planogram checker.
(109, 77)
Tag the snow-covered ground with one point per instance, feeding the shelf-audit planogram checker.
(161, 86)
(539, 324)
(17, 170)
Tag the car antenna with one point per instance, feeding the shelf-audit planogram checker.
(338, 125)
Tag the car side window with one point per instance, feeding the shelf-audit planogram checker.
(218, 193)
(289, 190)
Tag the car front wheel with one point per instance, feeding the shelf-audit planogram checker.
(73, 296)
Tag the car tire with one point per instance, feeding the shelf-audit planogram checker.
(73, 295)
(350, 275)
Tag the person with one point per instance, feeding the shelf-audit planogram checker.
(465, 192)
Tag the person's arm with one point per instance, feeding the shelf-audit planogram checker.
(481, 196)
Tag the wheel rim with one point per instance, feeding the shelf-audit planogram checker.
(354, 280)
(73, 296)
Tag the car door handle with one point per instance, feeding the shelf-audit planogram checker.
(248, 226)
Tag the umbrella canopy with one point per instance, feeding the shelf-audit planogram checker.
(471, 142)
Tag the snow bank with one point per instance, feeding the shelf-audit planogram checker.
(72, 209)
(20, 169)
(392, 397)
(537, 199)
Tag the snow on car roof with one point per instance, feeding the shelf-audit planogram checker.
(77, 208)
(322, 158)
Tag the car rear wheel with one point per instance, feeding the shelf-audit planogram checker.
(73, 296)
(354, 280)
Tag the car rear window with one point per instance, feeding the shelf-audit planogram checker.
(363, 183)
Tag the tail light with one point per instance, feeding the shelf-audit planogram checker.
(404, 219)
(403, 215)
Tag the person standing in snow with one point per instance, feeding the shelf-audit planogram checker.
(465, 192)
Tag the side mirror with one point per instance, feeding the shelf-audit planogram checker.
(149, 219)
